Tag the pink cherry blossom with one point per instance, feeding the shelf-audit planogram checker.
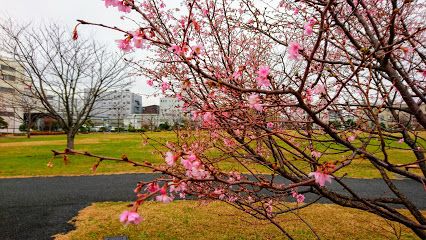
(229, 142)
(123, 7)
(316, 154)
(178, 188)
(196, 25)
(237, 74)
(152, 187)
(270, 125)
(401, 140)
(295, 11)
(197, 172)
(254, 102)
(300, 198)
(138, 42)
(170, 158)
(192, 157)
(321, 177)
(232, 199)
(124, 44)
(293, 50)
(263, 71)
(130, 217)
(308, 26)
(163, 197)
(309, 95)
(165, 86)
(351, 138)
(269, 207)
(308, 29)
(112, 3)
(235, 175)
(150, 82)
(138, 38)
(176, 49)
(219, 193)
(261, 81)
(262, 76)
(208, 118)
(196, 50)
(186, 163)
(319, 89)
(312, 21)
(189, 161)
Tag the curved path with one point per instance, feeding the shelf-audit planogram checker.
(37, 208)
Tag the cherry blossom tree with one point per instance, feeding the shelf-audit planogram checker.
(296, 90)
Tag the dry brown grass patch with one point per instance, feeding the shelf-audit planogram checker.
(216, 220)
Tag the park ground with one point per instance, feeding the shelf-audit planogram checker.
(216, 220)
(22, 157)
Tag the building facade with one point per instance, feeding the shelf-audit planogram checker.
(15, 96)
(170, 111)
(113, 107)
(148, 119)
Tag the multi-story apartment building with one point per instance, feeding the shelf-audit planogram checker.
(15, 98)
(170, 111)
(113, 107)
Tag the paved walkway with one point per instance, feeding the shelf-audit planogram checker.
(37, 208)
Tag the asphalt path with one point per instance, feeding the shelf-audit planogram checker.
(40, 207)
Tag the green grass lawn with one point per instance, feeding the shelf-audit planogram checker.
(20, 156)
(215, 220)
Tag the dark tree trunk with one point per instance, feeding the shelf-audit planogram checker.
(29, 125)
(70, 140)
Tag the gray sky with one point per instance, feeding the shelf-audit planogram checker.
(65, 12)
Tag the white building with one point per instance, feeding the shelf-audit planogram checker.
(113, 107)
(170, 111)
(15, 96)
(148, 119)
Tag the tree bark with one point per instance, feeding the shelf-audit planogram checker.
(29, 125)
(70, 140)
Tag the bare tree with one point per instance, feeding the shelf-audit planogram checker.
(67, 76)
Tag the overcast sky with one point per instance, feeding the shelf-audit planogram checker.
(65, 12)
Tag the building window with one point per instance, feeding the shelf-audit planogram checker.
(9, 77)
